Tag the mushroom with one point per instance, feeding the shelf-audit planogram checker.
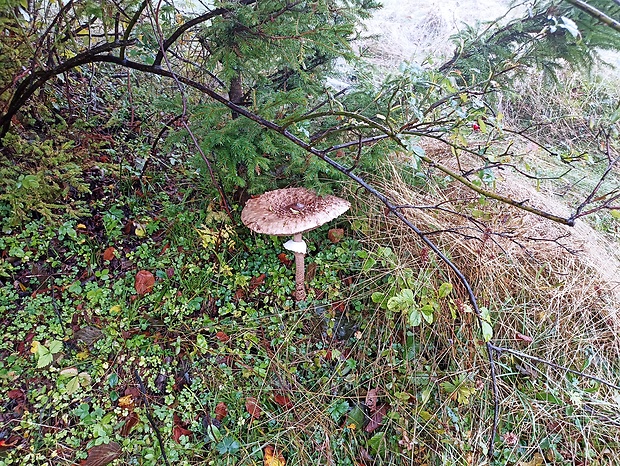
(292, 211)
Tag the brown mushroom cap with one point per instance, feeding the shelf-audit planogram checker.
(289, 211)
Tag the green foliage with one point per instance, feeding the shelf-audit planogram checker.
(47, 174)
(546, 37)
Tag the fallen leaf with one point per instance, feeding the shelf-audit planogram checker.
(126, 402)
(376, 418)
(179, 430)
(130, 422)
(283, 401)
(145, 281)
(251, 404)
(221, 410)
(371, 400)
(89, 334)
(524, 338)
(339, 307)
(109, 254)
(255, 282)
(335, 235)
(222, 336)
(10, 442)
(273, 456)
(537, 460)
(102, 454)
(16, 394)
(283, 258)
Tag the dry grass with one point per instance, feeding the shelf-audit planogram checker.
(567, 303)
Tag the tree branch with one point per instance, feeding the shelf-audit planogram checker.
(602, 17)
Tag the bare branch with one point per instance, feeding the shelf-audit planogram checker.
(602, 17)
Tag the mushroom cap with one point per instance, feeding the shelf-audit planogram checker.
(289, 211)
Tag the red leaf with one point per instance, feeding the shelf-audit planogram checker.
(10, 442)
(283, 401)
(335, 235)
(339, 307)
(102, 454)
(130, 422)
(109, 254)
(524, 338)
(376, 418)
(251, 404)
(222, 337)
(178, 430)
(283, 258)
(255, 282)
(145, 281)
(221, 411)
(15, 394)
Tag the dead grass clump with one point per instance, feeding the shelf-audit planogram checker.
(552, 294)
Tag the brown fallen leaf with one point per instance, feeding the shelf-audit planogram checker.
(376, 418)
(283, 258)
(371, 400)
(109, 254)
(273, 456)
(283, 401)
(255, 282)
(145, 281)
(179, 429)
(102, 454)
(130, 422)
(537, 460)
(9, 443)
(527, 339)
(223, 337)
(221, 411)
(251, 404)
(335, 235)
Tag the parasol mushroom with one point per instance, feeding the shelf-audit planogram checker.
(292, 211)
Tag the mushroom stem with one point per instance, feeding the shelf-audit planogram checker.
(300, 272)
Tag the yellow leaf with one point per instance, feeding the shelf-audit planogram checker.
(140, 231)
(34, 346)
(273, 457)
(82, 355)
(115, 309)
(537, 460)
(125, 401)
(81, 226)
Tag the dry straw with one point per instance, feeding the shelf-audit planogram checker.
(553, 284)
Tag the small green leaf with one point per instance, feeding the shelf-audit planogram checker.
(415, 318)
(113, 379)
(355, 418)
(377, 297)
(55, 346)
(45, 359)
(376, 443)
(228, 445)
(487, 331)
(445, 289)
(73, 385)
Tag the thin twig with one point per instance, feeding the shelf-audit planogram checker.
(501, 349)
(147, 410)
